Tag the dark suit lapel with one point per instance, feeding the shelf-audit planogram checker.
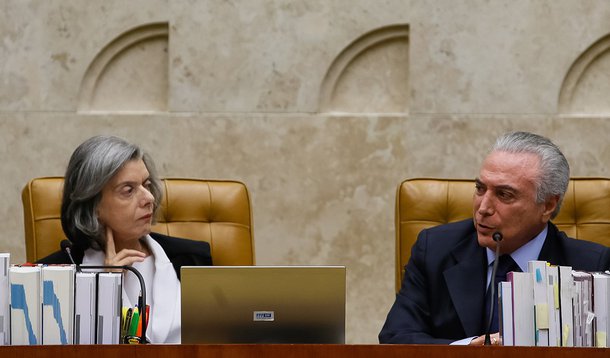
(466, 283)
(551, 250)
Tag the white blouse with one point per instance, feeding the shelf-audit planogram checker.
(162, 291)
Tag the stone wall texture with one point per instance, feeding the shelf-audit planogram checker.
(321, 107)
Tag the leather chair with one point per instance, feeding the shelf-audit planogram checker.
(423, 203)
(207, 210)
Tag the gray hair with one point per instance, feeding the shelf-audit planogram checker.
(554, 168)
(91, 167)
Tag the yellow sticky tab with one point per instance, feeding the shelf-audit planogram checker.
(600, 339)
(542, 316)
(556, 295)
(566, 334)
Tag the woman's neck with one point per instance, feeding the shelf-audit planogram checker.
(139, 245)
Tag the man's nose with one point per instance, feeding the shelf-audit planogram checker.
(486, 206)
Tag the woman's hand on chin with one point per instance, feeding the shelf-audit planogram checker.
(125, 257)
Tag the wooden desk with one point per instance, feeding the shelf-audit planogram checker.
(295, 351)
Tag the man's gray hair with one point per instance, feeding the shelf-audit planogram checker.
(91, 167)
(554, 168)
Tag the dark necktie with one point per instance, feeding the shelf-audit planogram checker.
(506, 264)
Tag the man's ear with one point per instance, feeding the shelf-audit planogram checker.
(549, 207)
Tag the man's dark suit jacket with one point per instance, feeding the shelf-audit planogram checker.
(181, 252)
(442, 293)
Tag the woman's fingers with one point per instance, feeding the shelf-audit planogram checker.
(125, 257)
(110, 248)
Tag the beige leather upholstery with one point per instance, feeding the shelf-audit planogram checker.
(207, 210)
(423, 203)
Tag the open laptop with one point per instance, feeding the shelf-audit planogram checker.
(263, 304)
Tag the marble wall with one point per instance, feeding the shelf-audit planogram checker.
(320, 107)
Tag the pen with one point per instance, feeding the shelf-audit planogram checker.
(147, 316)
(139, 331)
(135, 318)
(127, 322)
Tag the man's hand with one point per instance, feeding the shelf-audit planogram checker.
(495, 340)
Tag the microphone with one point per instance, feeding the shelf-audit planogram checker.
(497, 237)
(66, 246)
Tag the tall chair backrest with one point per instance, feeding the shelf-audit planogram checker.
(424, 203)
(215, 211)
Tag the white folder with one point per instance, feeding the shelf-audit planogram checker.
(5, 259)
(57, 304)
(541, 308)
(109, 296)
(85, 301)
(26, 301)
(523, 308)
(601, 308)
(566, 293)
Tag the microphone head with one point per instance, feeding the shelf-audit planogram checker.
(65, 245)
(497, 236)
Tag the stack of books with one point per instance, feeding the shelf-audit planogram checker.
(54, 304)
(554, 306)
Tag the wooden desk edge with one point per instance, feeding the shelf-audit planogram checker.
(296, 351)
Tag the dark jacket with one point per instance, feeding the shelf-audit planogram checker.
(442, 295)
(181, 252)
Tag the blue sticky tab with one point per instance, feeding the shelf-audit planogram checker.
(538, 275)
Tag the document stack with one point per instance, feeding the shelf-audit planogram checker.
(601, 308)
(505, 316)
(5, 260)
(84, 307)
(566, 308)
(522, 292)
(555, 306)
(26, 302)
(57, 304)
(541, 302)
(583, 310)
(109, 307)
(54, 304)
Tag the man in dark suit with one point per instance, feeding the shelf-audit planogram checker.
(520, 188)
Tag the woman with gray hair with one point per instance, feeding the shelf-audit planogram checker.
(111, 195)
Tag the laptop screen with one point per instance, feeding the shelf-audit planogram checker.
(263, 304)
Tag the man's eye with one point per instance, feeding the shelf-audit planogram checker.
(505, 195)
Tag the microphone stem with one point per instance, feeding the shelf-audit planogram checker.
(69, 252)
(492, 296)
(141, 299)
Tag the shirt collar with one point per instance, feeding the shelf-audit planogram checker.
(528, 252)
